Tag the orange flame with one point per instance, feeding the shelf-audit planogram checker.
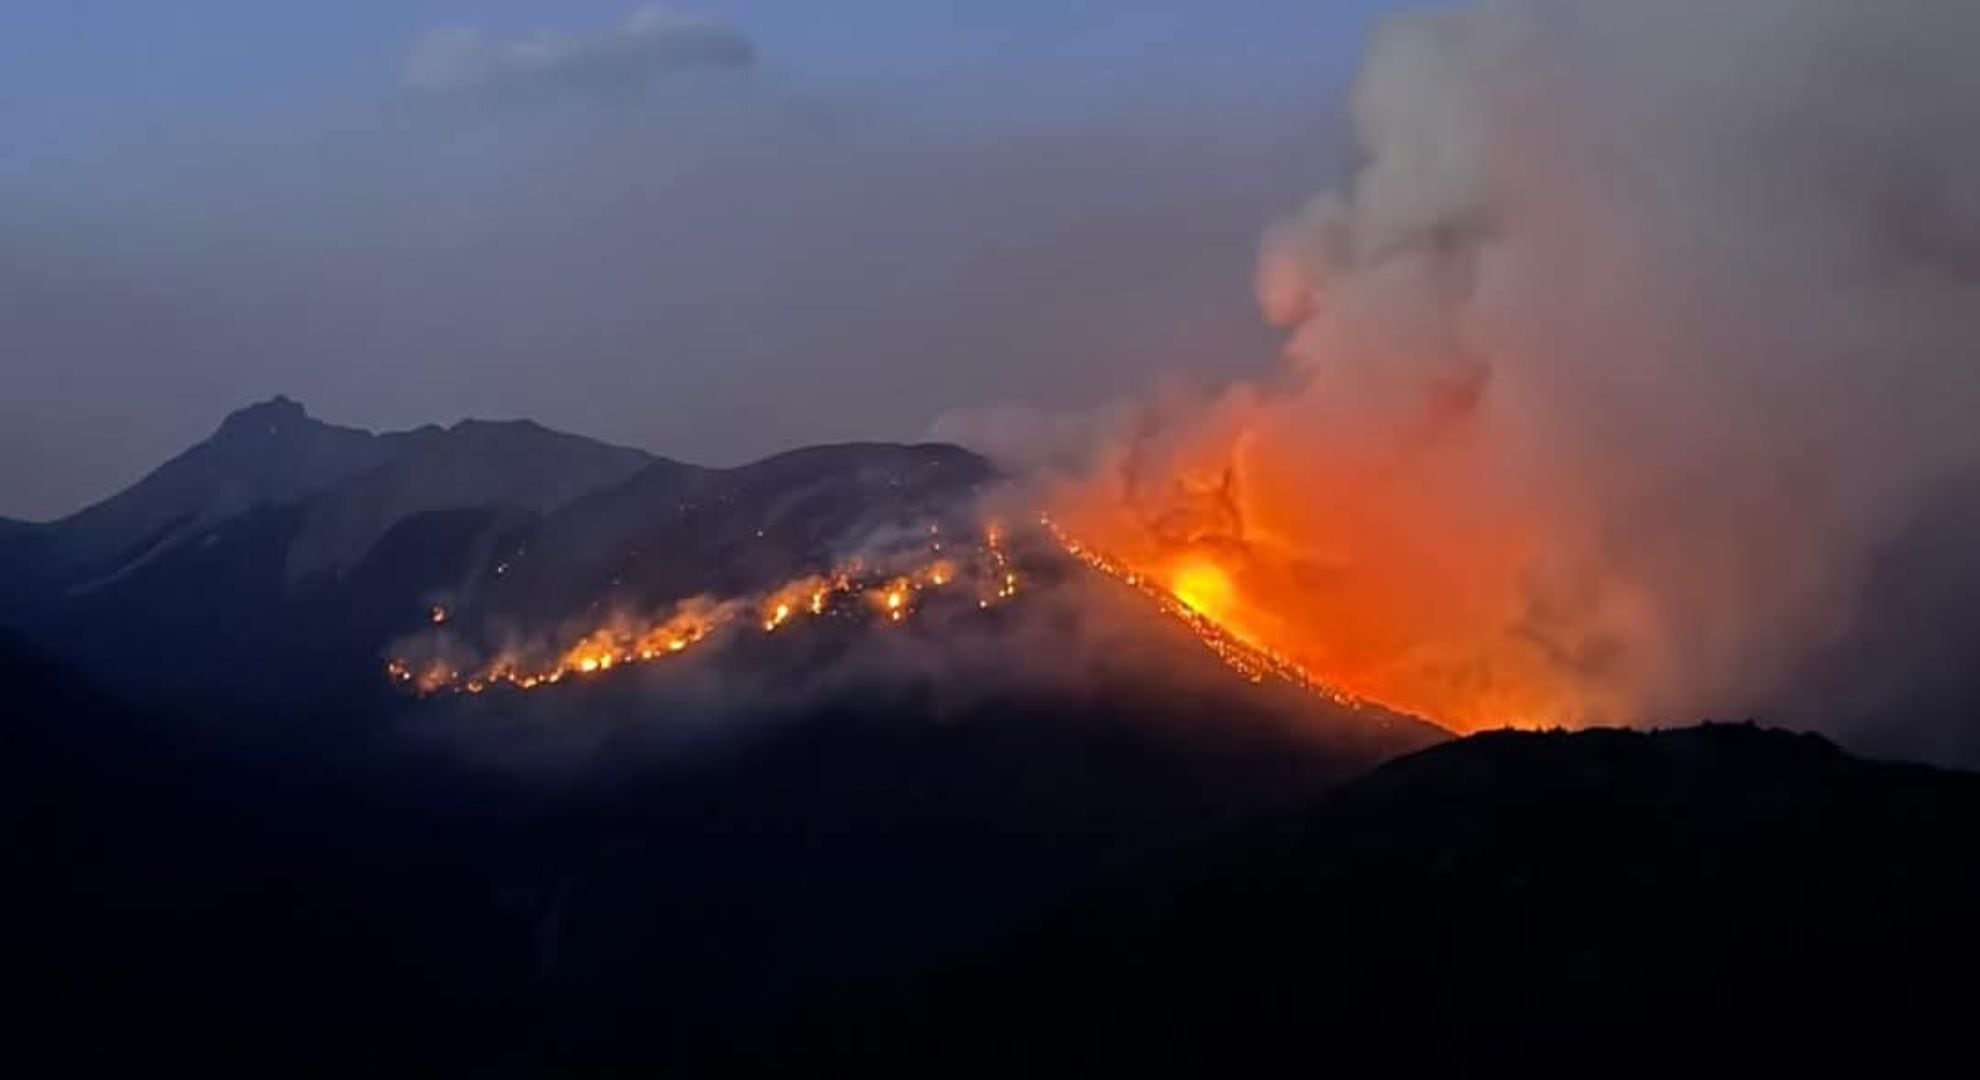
(1196, 589)
(1253, 660)
(1380, 614)
(617, 643)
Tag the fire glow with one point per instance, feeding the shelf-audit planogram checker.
(1362, 630)
(1198, 596)
(844, 592)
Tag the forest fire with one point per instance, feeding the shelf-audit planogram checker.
(1211, 588)
(1381, 627)
(1229, 596)
(844, 592)
(1197, 596)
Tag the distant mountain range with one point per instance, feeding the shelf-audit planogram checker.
(272, 562)
(354, 487)
(242, 825)
(1055, 836)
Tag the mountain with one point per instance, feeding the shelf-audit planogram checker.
(276, 559)
(517, 465)
(171, 899)
(186, 901)
(271, 453)
(358, 485)
(675, 531)
(1608, 899)
(280, 858)
(1051, 834)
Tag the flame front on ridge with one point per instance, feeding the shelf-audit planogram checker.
(622, 642)
(1196, 598)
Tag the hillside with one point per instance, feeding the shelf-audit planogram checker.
(270, 565)
(279, 857)
(1610, 900)
(189, 901)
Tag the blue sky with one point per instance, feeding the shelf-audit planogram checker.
(75, 69)
(899, 210)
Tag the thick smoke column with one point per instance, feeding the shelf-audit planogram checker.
(1640, 329)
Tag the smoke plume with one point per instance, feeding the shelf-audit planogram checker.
(1638, 332)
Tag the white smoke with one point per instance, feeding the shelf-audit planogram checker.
(1639, 330)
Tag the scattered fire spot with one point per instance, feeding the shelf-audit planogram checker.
(621, 643)
(1195, 595)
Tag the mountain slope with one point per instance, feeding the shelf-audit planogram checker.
(358, 485)
(273, 452)
(403, 907)
(222, 574)
(305, 865)
(271, 565)
(516, 465)
(674, 531)
(1607, 898)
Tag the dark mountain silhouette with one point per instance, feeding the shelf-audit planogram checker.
(1057, 836)
(1614, 900)
(271, 453)
(271, 565)
(675, 531)
(280, 860)
(274, 486)
(517, 465)
(190, 901)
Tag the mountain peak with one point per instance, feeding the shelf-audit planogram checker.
(273, 415)
(472, 425)
(269, 453)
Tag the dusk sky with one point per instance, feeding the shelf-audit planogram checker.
(713, 231)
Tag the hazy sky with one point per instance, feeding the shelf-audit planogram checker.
(713, 230)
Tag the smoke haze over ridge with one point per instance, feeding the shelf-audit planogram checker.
(1638, 333)
(1616, 369)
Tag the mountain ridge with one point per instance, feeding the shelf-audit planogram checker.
(1507, 900)
(249, 558)
(357, 484)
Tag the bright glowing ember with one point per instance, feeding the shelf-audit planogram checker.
(1361, 635)
(1199, 594)
(1200, 609)
(623, 641)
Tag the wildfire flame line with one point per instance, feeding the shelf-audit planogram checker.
(891, 596)
(1250, 659)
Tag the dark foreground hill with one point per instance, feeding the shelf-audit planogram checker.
(1609, 900)
(180, 899)
(274, 858)
(279, 863)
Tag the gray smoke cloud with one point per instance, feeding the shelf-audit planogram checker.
(652, 43)
(1641, 330)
